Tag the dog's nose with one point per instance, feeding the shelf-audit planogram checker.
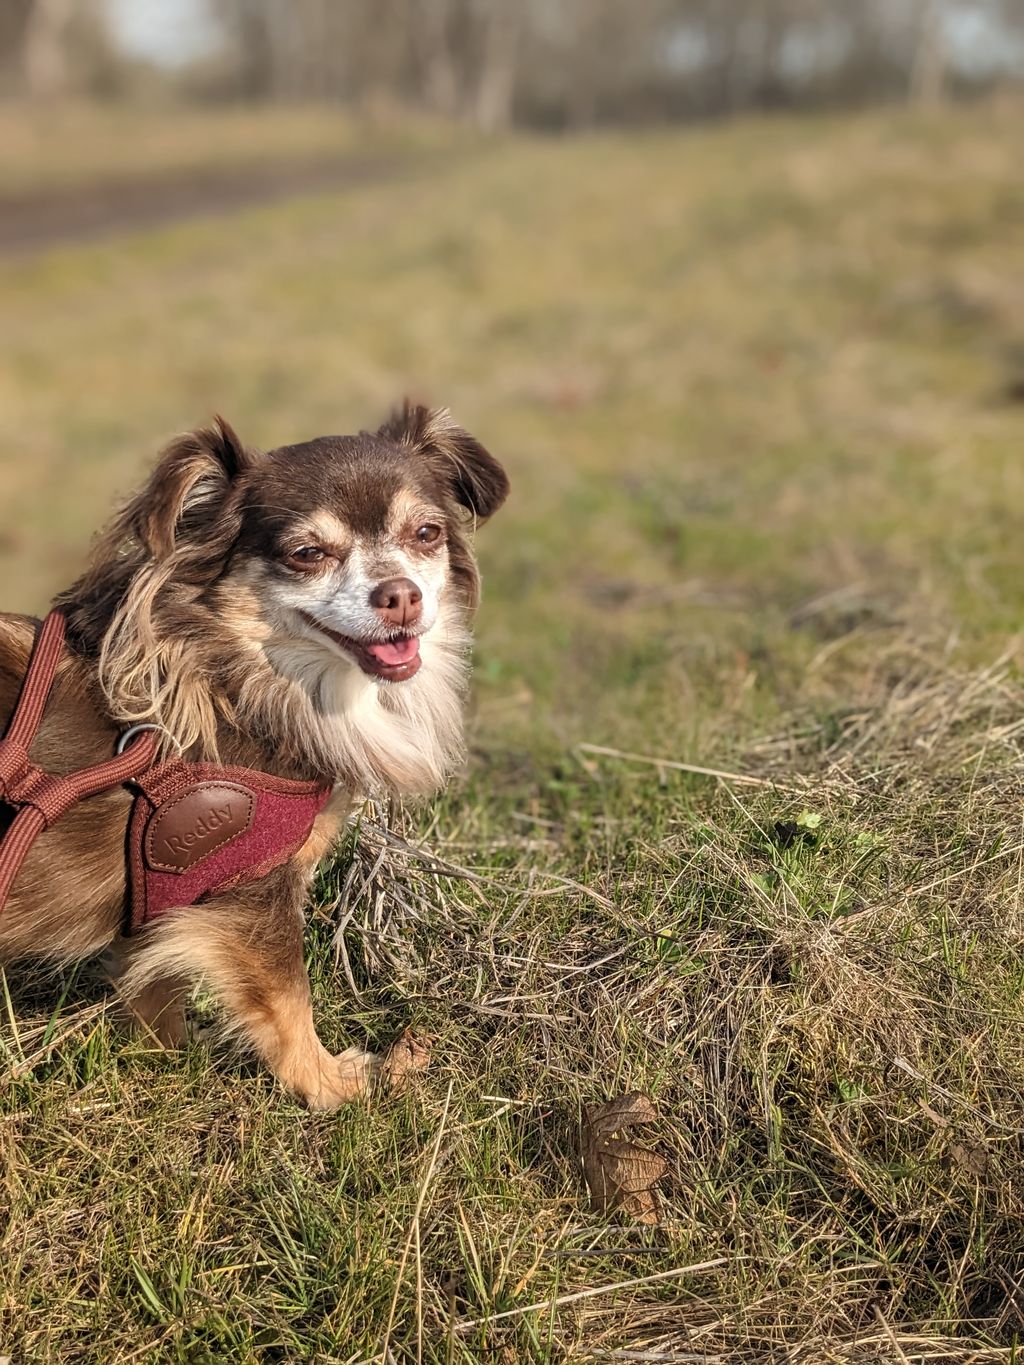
(398, 601)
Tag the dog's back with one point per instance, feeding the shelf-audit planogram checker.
(68, 899)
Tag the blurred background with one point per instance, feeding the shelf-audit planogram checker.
(552, 64)
(733, 287)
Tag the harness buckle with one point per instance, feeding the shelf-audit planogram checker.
(129, 735)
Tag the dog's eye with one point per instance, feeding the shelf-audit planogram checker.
(306, 556)
(428, 534)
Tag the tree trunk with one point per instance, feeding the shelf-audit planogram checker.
(928, 70)
(44, 58)
(496, 86)
(430, 23)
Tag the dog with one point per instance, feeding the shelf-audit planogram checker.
(304, 613)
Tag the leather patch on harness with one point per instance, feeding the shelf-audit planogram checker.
(192, 826)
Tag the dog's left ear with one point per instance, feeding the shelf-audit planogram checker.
(475, 477)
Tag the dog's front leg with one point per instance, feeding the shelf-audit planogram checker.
(281, 1030)
(249, 950)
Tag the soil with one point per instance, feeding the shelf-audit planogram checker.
(30, 222)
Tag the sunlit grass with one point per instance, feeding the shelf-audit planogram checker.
(753, 387)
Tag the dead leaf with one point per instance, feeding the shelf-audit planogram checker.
(624, 1112)
(407, 1055)
(930, 1113)
(621, 1174)
(971, 1157)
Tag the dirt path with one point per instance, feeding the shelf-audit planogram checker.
(34, 221)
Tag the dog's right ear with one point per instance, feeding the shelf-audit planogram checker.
(188, 488)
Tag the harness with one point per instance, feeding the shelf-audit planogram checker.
(194, 828)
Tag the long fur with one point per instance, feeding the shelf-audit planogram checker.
(190, 617)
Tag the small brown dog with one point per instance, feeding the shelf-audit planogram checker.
(303, 613)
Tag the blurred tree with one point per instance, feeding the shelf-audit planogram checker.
(14, 16)
(431, 24)
(500, 26)
(556, 62)
(52, 48)
(44, 51)
(928, 68)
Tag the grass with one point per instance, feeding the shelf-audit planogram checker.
(755, 388)
(57, 149)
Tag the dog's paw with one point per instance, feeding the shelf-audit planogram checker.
(347, 1077)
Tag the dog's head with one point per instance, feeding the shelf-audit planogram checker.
(342, 565)
(358, 545)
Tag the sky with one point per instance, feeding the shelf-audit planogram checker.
(168, 32)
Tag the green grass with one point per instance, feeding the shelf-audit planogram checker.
(754, 389)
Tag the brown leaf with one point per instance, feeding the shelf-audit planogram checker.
(624, 1112)
(406, 1056)
(929, 1112)
(621, 1174)
(971, 1157)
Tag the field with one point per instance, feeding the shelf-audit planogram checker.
(760, 390)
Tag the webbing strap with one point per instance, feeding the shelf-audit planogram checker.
(41, 797)
(42, 669)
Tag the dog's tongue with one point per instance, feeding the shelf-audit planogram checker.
(395, 651)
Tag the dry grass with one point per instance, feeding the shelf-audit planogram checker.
(61, 148)
(755, 389)
(822, 991)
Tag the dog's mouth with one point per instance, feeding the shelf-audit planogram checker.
(394, 660)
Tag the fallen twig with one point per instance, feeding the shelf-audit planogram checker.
(563, 1299)
(720, 774)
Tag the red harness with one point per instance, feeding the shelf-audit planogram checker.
(195, 828)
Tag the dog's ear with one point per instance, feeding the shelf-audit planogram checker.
(188, 488)
(475, 477)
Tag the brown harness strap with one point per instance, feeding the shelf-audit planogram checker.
(194, 828)
(40, 797)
